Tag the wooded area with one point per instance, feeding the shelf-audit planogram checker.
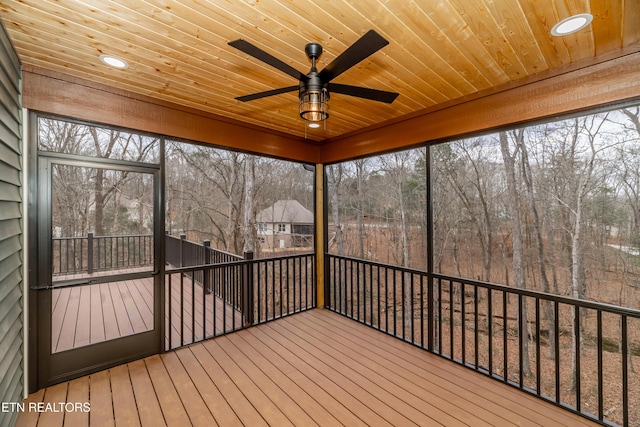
(211, 193)
(554, 207)
(215, 194)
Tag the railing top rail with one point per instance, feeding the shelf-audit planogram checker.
(220, 251)
(201, 267)
(630, 312)
(102, 237)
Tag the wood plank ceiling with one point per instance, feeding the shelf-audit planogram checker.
(439, 51)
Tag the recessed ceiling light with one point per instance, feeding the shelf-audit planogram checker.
(314, 125)
(572, 24)
(114, 62)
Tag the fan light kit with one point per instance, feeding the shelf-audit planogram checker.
(314, 87)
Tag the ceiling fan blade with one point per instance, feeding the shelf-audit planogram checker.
(263, 56)
(363, 92)
(266, 93)
(366, 45)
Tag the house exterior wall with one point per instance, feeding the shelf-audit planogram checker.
(272, 236)
(11, 228)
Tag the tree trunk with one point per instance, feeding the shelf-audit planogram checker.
(335, 178)
(518, 266)
(360, 207)
(98, 218)
(249, 212)
(537, 234)
(577, 286)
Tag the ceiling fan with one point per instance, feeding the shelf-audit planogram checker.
(314, 87)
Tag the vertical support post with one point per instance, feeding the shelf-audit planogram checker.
(430, 234)
(90, 253)
(247, 289)
(206, 273)
(322, 291)
(183, 237)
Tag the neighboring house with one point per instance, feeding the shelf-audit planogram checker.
(285, 224)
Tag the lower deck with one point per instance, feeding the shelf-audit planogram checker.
(312, 368)
(91, 314)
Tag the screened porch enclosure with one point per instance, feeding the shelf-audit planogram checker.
(529, 340)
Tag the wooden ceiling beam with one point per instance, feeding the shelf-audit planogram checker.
(55, 93)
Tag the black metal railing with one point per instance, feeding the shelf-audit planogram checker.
(89, 254)
(251, 291)
(530, 340)
(181, 252)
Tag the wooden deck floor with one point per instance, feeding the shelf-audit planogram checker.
(91, 314)
(312, 368)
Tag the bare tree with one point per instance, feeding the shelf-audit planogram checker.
(527, 178)
(516, 237)
(249, 207)
(334, 180)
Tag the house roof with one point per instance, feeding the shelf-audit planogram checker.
(286, 211)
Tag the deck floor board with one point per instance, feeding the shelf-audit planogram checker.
(90, 314)
(312, 368)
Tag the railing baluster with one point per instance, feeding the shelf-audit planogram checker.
(625, 373)
(439, 284)
(351, 282)
(522, 337)
(378, 281)
(490, 329)
(463, 322)
(273, 290)
(286, 264)
(193, 306)
(358, 291)
(403, 291)
(556, 326)
(475, 327)
(395, 304)
(505, 344)
(299, 282)
(386, 299)
(451, 322)
(170, 327)
(181, 310)
(371, 294)
(538, 364)
(204, 303)
(412, 308)
(422, 311)
(215, 295)
(600, 367)
(224, 308)
(577, 349)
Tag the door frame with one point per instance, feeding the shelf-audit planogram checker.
(47, 368)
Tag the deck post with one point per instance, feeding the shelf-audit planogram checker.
(247, 289)
(321, 247)
(206, 273)
(183, 237)
(90, 253)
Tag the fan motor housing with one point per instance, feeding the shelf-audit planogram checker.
(313, 50)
